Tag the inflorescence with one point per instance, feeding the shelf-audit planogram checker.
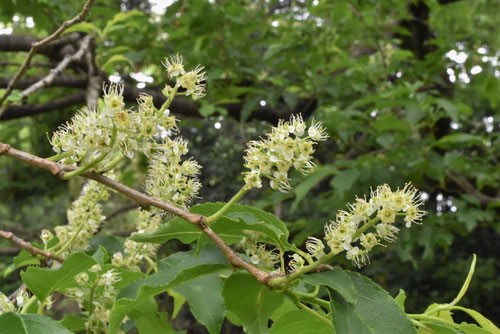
(288, 145)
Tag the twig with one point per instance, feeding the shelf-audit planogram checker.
(14, 112)
(144, 201)
(59, 68)
(469, 188)
(37, 45)
(27, 246)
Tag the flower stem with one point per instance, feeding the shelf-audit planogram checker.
(59, 156)
(227, 206)
(169, 99)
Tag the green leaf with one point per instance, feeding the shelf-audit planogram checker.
(250, 301)
(336, 279)
(176, 228)
(109, 64)
(401, 298)
(458, 140)
(85, 27)
(74, 323)
(438, 328)
(204, 296)
(120, 20)
(303, 188)
(344, 180)
(15, 96)
(388, 121)
(179, 301)
(302, 322)
(481, 320)
(374, 312)
(13, 323)
(101, 256)
(175, 270)
(42, 282)
(473, 329)
(148, 320)
(24, 258)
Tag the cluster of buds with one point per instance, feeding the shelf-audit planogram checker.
(84, 218)
(95, 293)
(135, 252)
(368, 223)
(290, 144)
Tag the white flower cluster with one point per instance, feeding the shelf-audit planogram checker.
(97, 134)
(170, 179)
(84, 218)
(288, 145)
(349, 231)
(135, 252)
(95, 293)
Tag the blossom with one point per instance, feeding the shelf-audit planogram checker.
(379, 214)
(286, 147)
(174, 66)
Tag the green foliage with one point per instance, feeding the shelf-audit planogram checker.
(13, 323)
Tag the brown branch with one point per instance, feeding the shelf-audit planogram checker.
(37, 45)
(13, 112)
(85, 44)
(469, 188)
(63, 80)
(28, 246)
(142, 200)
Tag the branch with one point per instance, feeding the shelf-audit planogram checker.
(27, 246)
(469, 188)
(13, 112)
(59, 68)
(37, 45)
(142, 200)
(64, 80)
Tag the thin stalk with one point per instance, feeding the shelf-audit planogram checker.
(112, 164)
(169, 99)
(228, 205)
(365, 227)
(59, 156)
(93, 163)
(306, 297)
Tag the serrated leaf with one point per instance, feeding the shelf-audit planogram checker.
(179, 301)
(375, 311)
(101, 256)
(204, 296)
(148, 320)
(42, 282)
(74, 323)
(24, 258)
(250, 301)
(303, 322)
(336, 279)
(13, 323)
(175, 270)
